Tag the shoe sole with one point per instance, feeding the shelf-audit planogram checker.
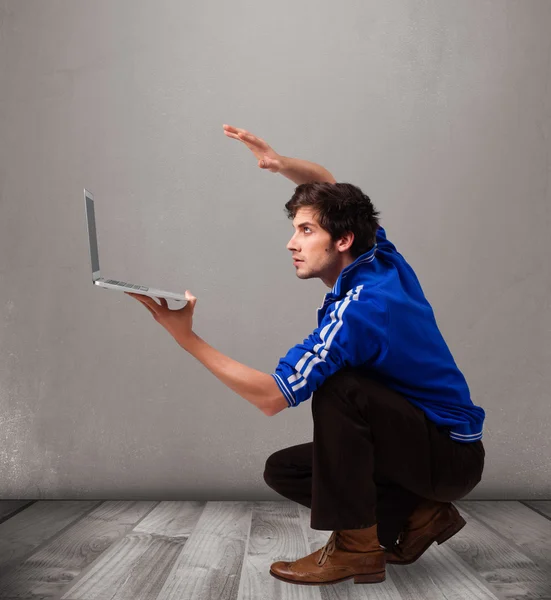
(442, 537)
(378, 577)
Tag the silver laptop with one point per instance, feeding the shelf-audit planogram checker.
(113, 284)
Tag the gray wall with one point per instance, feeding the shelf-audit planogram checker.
(439, 110)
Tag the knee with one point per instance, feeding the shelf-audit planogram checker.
(268, 478)
(271, 469)
(463, 485)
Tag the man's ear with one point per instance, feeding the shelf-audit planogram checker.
(345, 242)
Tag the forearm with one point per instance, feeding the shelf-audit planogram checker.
(245, 381)
(303, 171)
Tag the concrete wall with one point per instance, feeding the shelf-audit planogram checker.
(440, 112)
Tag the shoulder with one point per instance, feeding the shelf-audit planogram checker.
(383, 243)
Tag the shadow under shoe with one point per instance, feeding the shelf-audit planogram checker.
(350, 553)
(430, 522)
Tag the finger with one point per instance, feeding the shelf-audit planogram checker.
(148, 302)
(234, 129)
(243, 135)
(249, 138)
(149, 309)
(190, 298)
(232, 135)
(236, 136)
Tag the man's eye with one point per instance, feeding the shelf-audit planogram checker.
(304, 228)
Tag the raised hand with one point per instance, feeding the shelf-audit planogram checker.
(267, 157)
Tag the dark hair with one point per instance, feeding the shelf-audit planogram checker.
(339, 208)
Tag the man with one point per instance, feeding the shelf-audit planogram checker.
(396, 435)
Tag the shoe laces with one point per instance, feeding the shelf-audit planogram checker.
(328, 549)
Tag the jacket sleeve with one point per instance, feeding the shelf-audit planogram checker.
(352, 333)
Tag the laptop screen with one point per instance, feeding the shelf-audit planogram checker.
(92, 232)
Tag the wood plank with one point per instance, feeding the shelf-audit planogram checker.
(52, 567)
(432, 577)
(523, 527)
(440, 573)
(135, 568)
(124, 551)
(507, 567)
(9, 507)
(210, 564)
(543, 507)
(138, 565)
(172, 519)
(276, 534)
(25, 531)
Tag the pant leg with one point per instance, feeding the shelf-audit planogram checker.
(289, 473)
(394, 506)
(363, 432)
(457, 467)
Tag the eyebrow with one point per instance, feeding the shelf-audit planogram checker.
(307, 223)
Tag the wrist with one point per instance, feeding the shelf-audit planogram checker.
(187, 342)
(284, 162)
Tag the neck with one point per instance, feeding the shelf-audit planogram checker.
(331, 278)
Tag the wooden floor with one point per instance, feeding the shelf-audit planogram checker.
(115, 550)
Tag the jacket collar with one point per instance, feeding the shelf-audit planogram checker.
(345, 276)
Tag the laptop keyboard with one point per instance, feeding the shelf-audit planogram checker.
(128, 285)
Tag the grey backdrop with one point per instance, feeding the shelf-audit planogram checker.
(439, 110)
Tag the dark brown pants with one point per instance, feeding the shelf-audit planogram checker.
(374, 456)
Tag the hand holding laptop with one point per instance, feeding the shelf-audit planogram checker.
(178, 322)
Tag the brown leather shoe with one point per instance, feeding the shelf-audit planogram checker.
(348, 553)
(431, 521)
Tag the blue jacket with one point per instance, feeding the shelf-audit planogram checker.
(376, 318)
